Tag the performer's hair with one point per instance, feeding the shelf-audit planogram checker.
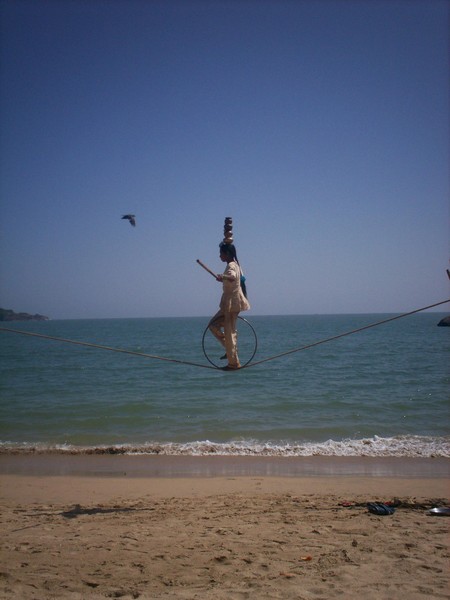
(230, 250)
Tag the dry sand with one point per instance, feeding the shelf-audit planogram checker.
(99, 534)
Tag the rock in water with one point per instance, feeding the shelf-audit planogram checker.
(445, 322)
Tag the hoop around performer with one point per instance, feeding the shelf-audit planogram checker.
(248, 345)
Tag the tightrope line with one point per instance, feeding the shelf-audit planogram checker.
(90, 345)
(214, 368)
(336, 337)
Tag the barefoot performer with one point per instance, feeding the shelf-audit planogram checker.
(233, 301)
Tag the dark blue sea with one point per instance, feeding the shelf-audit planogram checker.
(383, 391)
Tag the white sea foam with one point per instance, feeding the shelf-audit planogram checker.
(402, 446)
(412, 446)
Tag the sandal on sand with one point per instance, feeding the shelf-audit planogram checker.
(443, 511)
(377, 508)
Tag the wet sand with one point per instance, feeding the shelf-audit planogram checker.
(65, 463)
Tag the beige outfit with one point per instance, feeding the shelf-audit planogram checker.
(231, 304)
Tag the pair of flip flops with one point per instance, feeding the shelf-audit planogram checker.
(377, 508)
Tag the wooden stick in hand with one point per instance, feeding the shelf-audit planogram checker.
(206, 268)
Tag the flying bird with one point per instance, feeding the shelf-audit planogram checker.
(130, 218)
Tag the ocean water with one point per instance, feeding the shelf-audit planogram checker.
(380, 392)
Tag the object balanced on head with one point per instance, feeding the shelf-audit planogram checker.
(228, 231)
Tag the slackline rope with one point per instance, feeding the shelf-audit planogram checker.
(193, 364)
(336, 337)
(58, 339)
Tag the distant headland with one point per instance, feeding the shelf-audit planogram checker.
(9, 315)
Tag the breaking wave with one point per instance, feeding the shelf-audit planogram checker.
(402, 446)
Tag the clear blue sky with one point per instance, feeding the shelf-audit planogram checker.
(320, 126)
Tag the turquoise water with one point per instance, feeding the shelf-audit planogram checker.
(383, 391)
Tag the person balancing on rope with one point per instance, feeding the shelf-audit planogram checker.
(233, 301)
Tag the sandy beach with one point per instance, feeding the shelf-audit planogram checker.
(208, 527)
